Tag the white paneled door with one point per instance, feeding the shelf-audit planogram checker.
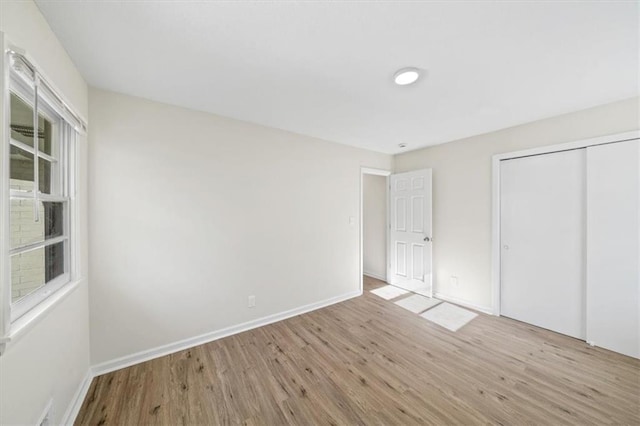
(542, 241)
(410, 238)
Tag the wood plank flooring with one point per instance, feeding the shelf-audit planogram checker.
(368, 361)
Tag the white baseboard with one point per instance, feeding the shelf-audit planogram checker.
(483, 309)
(45, 413)
(76, 403)
(376, 276)
(136, 358)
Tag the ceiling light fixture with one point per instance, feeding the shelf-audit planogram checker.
(406, 76)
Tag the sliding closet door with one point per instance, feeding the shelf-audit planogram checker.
(542, 241)
(613, 247)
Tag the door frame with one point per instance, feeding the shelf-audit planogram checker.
(375, 172)
(496, 219)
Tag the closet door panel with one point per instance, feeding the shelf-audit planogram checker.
(613, 247)
(542, 241)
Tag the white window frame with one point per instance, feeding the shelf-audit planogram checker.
(13, 323)
(66, 147)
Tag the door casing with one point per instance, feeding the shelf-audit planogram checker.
(376, 172)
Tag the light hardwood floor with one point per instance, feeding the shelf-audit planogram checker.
(368, 361)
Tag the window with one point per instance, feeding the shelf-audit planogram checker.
(41, 151)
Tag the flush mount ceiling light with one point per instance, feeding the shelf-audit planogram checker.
(406, 76)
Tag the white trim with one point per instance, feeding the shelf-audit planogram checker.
(601, 140)
(484, 309)
(45, 413)
(149, 354)
(73, 409)
(55, 91)
(35, 315)
(374, 275)
(495, 236)
(24, 147)
(38, 245)
(495, 185)
(5, 265)
(376, 172)
(21, 306)
(27, 195)
(15, 311)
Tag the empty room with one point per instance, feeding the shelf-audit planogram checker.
(319, 212)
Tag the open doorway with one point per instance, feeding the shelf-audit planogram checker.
(374, 228)
(396, 245)
(396, 230)
(374, 220)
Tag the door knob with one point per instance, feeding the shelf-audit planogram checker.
(427, 239)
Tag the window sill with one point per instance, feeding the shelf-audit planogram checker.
(27, 321)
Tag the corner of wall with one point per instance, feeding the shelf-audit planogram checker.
(30, 381)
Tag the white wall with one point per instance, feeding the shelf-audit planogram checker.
(462, 189)
(50, 359)
(191, 213)
(374, 218)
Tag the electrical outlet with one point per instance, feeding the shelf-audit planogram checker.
(251, 302)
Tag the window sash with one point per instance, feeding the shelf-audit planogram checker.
(59, 148)
(30, 150)
(63, 157)
(61, 133)
(28, 195)
(40, 244)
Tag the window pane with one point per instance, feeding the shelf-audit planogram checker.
(46, 176)
(22, 126)
(21, 172)
(25, 230)
(54, 261)
(21, 169)
(33, 269)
